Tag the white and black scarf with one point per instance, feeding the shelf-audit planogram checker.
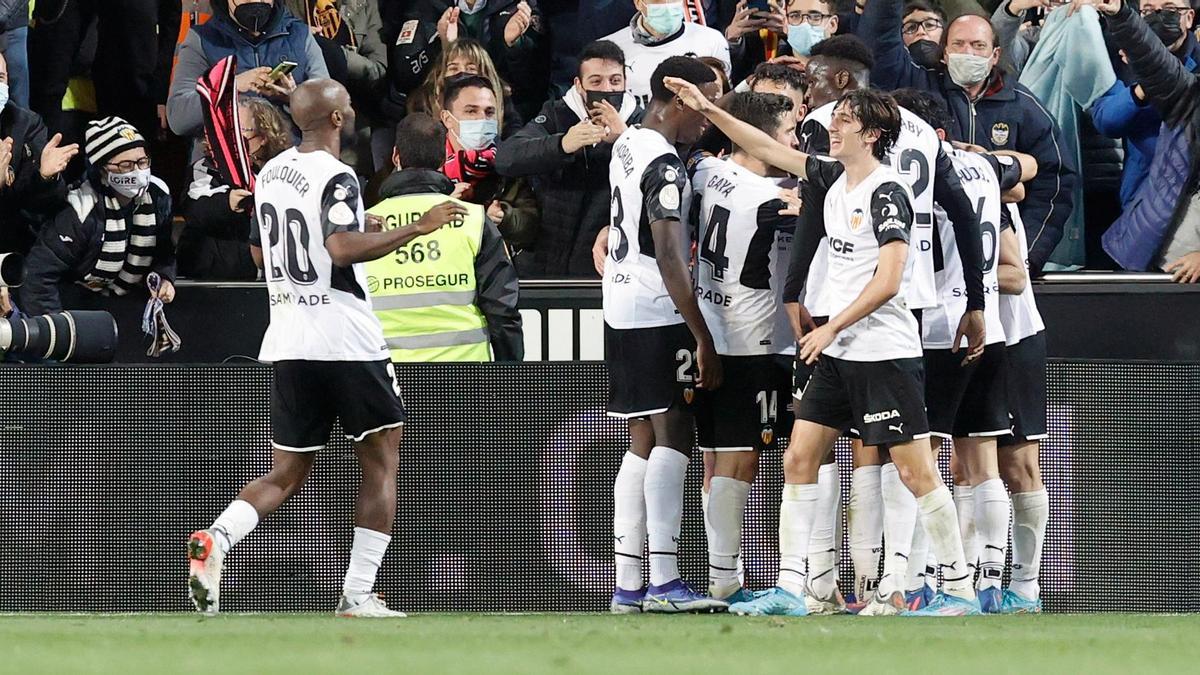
(128, 248)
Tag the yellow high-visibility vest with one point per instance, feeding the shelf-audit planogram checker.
(424, 291)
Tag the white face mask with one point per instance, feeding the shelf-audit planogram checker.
(131, 184)
(968, 69)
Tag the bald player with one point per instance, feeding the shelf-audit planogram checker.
(326, 345)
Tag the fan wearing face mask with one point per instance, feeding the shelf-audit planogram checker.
(469, 113)
(658, 31)
(262, 34)
(115, 229)
(988, 106)
(1125, 111)
(786, 28)
(565, 150)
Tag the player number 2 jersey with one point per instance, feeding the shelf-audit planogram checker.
(738, 221)
(913, 157)
(858, 223)
(982, 177)
(319, 312)
(648, 183)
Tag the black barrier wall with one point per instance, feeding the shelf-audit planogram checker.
(505, 491)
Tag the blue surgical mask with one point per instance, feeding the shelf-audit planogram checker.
(3, 95)
(802, 38)
(477, 134)
(664, 19)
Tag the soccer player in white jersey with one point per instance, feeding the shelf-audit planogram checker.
(739, 214)
(967, 401)
(1024, 335)
(868, 355)
(326, 345)
(656, 339)
(839, 65)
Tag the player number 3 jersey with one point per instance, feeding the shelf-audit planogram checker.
(858, 222)
(648, 183)
(319, 312)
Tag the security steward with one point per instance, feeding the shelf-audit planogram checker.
(450, 295)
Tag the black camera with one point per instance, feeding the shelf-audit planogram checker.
(75, 336)
(12, 270)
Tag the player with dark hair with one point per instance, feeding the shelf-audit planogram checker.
(656, 338)
(777, 78)
(868, 371)
(879, 502)
(968, 402)
(739, 215)
(326, 345)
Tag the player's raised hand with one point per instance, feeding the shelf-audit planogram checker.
(439, 216)
(709, 373)
(688, 93)
(974, 329)
(792, 201)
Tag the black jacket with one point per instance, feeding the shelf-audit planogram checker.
(1007, 117)
(410, 31)
(29, 200)
(69, 246)
(572, 191)
(1169, 87)
(215, 241)
(496, 287)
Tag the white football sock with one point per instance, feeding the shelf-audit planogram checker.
(941, 526)
(665, 471)
(899, 518)
(864, 514)
(822, 545)
(931, 563)
(234, 523)
(917, 555)
(1031, 511)
(964, 505)
(991, 530)
(796, 512)
(629, 521)
(366, 555)
(726, 512)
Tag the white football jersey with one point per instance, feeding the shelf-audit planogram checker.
(1019, 313)
(641, 60)
(738, 259)
(319, 312)
(648, 183)
(982, 177)
(914, 157)
(858, 223)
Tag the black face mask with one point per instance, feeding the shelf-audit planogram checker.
(1166, 26)
(926, 53)
(253, 16)
(614, 98)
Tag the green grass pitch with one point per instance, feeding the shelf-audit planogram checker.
(583, 643)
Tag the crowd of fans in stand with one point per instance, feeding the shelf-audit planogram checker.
(104, 175)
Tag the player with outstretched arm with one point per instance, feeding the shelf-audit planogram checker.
(869, 374)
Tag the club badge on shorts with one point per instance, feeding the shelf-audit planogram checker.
(767, 436)
(688, 394)
(1000, 133)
